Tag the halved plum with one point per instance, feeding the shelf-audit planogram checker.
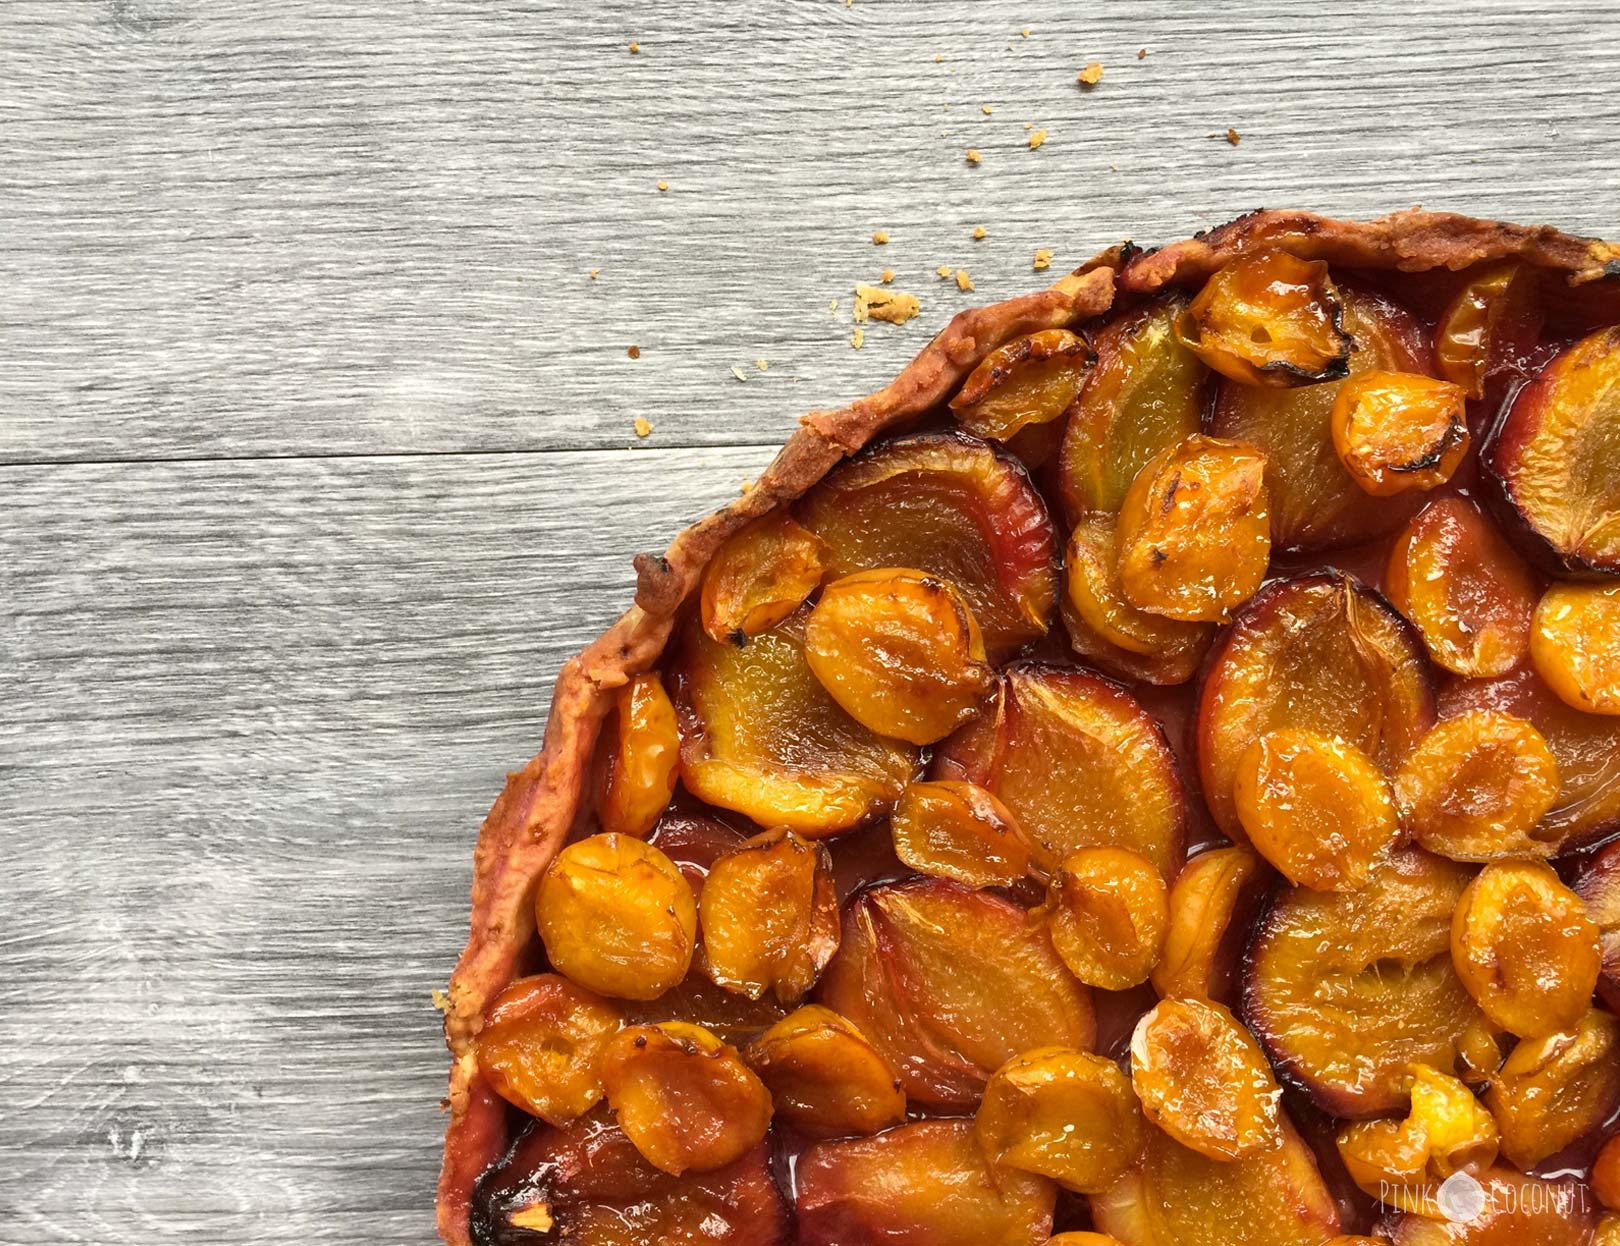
(1606, 1174)
(957, 830)
(761, 736)
(694, 840)
(1028, 382)
(641, 764)
(825, 1078)
(1078, 761)
(1399, 1162)
(1399, 432)
(1491, 322)
(1500, 1208)
(1107, 910)
(1321, 653)
(1575, 644)
(1209, 894)
(760, 576)
(951, 505)
(949, 984)
(1598, 885)
(1556, 457)
(1346, 989)
(1554, 1089)
(542, 1043)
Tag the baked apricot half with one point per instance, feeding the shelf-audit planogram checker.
(1029, 381)
(825, 1078)
(1556, 1088)
(1210, 893)
(541, 1044)
(1399, 432)
(1400, 1162)
(643, 758)
(958, 830)
(1107, 911)
(760, 576)
(1489, 323)
(1575, 644)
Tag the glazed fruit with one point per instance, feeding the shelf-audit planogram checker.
(1606, 1174)
(642, 763)
(1401, 1161)
(728, 1016)
(1081, 1238)
(1556, 1088)
(759, 577)
(825, 1078)
(1107, 912)
(1491, 322)
(694, 840)
(541, 1044)
(1399, 432)
(1030, 381)
(1575, 644)
(1508, 1209)
(1598, 885)
(1205, 905)
(957, 830)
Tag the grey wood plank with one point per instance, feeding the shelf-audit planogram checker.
(348, 226)
(253, 713)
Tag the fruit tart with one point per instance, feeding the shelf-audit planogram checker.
(1146, 776)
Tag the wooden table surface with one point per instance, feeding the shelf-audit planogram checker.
(317, 452)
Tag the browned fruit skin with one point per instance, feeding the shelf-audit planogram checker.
(957, 830)
(694, 840)
(1344, 990)
(1598, 885)
(1067, 1115)
(1080, 1238)
(825, 1078)
(760, 576)
(1516, 1211)
(900, 651)
(728, 1016)
(1145, 393)
(541, 1043)
(1315, 503)
(761, 736)
(1556, 456)
(1464, 587)
(1029, 381)
(1477, 787)
(586, 1185)
(1606, 1174)
(924, 1184)
(1320, 653)
(769, 916)
(1194, 537)
(617, 917)
(948, 984)
(1177, 1197)
(1207, 894)
(1399, 432)
(1078, 762)
(684, 1098)
(1525, 949)
(1107, 913)
(1554, 1089)
(1488, 324)
(1401, 1162)
(643, 761)
(1575, 642)
(953, 506)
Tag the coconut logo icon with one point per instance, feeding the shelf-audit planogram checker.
(1460, 1198)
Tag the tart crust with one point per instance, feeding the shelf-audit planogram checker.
(541, 802)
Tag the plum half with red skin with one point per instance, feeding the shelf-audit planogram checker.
(1598, 884)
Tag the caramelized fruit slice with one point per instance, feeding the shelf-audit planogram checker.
(948, 504)
(1525, 949)
(769, 915)
(643, 758)
(1202, 1079)
(1030, 380)
(1346, 989)
(1399, 1161)
(957, 830)
(900, 651)
(949, 984)
(924, 1184)
(825, 1078)
(1194, 533)
(1107, 914)
(1606, 1174)
(1067, 1115)
(760, 735)
(733, 1018)
(1553, 1089)
(1208, 892)
(694, 841)
(1556, 456)
(1500, 1207)
(617, 917)
(1598, 885)
(1177, 1197)
(1477, 787)
(541, 1043)
(1320, 653)
(1316, 807)
(586, 1185)
(1462, 584)
(1315, 504)
(1145, 393)
(1575, 643)
(1079, 762)
(760, 576)
(1080, 1238)
(684, 1098)
(1608, 1231)
(1399, 432)
(1492, 320)
(1269, 318)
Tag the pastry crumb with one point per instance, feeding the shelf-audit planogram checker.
(887, 276)
(1233, 137)
(832, 306)
(738, 373)
(939, 58)
(980, 233)
(748, 485)
(643, 426)
(893, 306)
(441, 1000)
(973, 156)
(943, 272)
(663, 185)
(1036, 139)
(987, 109)
(1043, 259)
(858, 338)
(634, 48)
(1091, 75)
(594, 272)
(634, 352)
(963, 281)
(1141, 54)
(879, 237)
(764, 365)
(1025, 32)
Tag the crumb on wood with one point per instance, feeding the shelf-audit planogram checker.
(973, 156)
(943, 272)
(1036, 139)
(441, 1000)
(893, 306)
(643, 426)
(594, 273)
(634, 48)
(1025, 32)
(738, 373)
(663, 186)
(764, 365)
(939, 58)
(832, 307)
(1091, 75)
(879, 237)
(1233, 137)
(887, 276)
(858, 338)
(634, 352)
(987, 109)
(980, 233)
(1141, 54)
(963, 281)
(1043, 259)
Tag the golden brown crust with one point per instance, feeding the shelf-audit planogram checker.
(541, 802)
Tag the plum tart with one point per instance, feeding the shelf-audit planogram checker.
(1148, 776)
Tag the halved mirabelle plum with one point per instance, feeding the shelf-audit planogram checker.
(643, 758)
(541, 1044)
(1524, 947)
(1270, 319)
(760, 576)
(1316, 807)
(1598, 885)
(1556, 456)
(1575, 643)
(825, 1078)
(1399, 432)
(1347, 989)
(617, 917)
(1464, 587)
(1145, 393)
(1606, 1174)
(1554, 1089)
(949, 984)
(924, 1184)
(1607, 1232)
(1177, 1197)
(1320, 653)
(733, 1018)
(957, 830)
(1315, 503)
(1194, 539)
(694, 840)
(1399, 1162)
(761, 736)
(1209, 892)
(1492, 320)
(586, 1185)
(951, 505)
(1067, 1115)
(900, 651)
(1029, 381)
(1078, 761)
(1107, 914)
(1501, 1207)
(769, 916)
